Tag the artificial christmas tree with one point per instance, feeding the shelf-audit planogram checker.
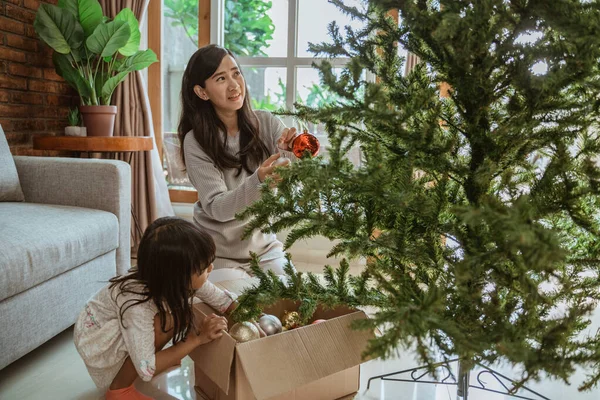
(478, 213)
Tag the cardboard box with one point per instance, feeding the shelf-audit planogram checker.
(316, 362)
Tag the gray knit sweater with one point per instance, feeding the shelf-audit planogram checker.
(222, 194)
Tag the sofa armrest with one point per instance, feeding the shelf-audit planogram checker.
(89, 183)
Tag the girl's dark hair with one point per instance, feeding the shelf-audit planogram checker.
(171, 250)
(199, 116)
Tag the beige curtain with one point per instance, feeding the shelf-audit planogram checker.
(150, 196)
(411, 61)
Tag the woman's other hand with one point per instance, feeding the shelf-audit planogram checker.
(267, 167)
(287, 137)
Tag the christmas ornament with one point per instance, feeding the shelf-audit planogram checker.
(291, 319)
(318, 321)
(303, 142)
(244, 332)
(281, 161)
(270, 324)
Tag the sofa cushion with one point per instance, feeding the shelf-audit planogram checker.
(10, 188)
(39, 241)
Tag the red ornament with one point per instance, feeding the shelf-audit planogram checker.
(318, 321)
(303, 142)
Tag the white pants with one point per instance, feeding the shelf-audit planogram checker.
(224, 271)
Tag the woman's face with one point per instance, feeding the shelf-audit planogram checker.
(200, 279)
(226, 88)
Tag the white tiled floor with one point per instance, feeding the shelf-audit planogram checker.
(55, 370)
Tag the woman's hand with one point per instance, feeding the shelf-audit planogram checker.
(267, 168)
(212, 328)
(287, 137)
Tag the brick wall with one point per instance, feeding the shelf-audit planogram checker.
(33, 99)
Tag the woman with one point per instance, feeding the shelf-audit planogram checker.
(229, 150)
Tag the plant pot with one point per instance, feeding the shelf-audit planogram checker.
(75, 131)
(99, 120)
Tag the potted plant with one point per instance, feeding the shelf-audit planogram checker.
(93, 54)
(75, 128)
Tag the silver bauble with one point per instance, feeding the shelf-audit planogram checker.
(244, 332)
(270, 324)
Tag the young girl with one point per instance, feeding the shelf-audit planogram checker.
(123, 328)
(228, 150)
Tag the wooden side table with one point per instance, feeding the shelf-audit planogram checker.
(111, 146)
(94, 144)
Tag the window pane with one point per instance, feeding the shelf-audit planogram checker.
(313, 18)
(180, 41)
(172, 164)
(309, 89)
(256, 27)
(266, 87)
(402, 52)
(311, 92)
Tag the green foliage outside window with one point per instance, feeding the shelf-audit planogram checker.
(317, 97)
(248, 28)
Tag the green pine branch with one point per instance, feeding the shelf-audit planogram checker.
(478, 213)
(307, 290)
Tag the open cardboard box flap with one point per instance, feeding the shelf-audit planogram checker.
(215, 358)
(280, 363)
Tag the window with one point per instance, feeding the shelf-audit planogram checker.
(270, 39)
(287, 64)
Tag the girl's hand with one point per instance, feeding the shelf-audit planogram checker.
(287, 137)
(234, 304)
(212, 328)
(266, 169)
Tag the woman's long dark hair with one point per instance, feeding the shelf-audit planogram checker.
(199, 116)
(171, 250)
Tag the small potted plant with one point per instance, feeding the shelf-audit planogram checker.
(93, 53)
(75, 128)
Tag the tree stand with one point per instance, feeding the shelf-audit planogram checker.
(462, 382)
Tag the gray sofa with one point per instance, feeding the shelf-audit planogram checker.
(64, 231)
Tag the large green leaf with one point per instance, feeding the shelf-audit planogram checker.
(111, 84)
(90, 15)
(70, 5)
(108, 38)
(71, 75)
(58, 28)
(88, 12)
(140, 60)
(133, 44)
